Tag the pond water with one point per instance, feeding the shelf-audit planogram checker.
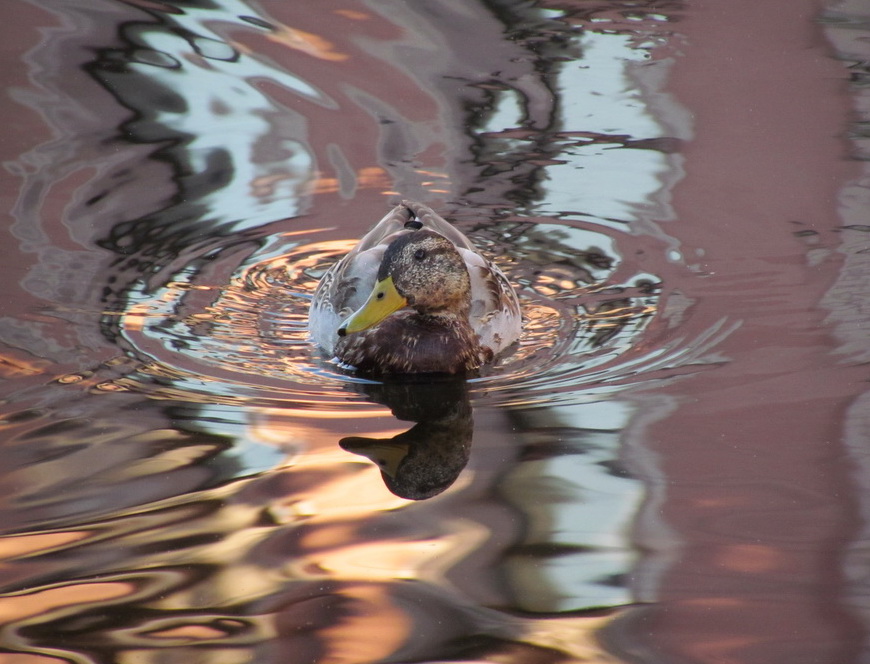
(670, 466)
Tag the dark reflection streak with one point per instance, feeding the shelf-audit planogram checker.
(518, 176)
(126, 73)
(146, 244)
(151, 6)
(146, 98)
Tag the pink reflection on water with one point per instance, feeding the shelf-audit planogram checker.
(758, 487)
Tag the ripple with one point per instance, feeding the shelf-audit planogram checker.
(244, 339)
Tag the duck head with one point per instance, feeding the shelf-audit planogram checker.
(422, 270)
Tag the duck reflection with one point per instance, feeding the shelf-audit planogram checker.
(427, 458)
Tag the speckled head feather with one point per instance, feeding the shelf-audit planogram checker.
(412, 260)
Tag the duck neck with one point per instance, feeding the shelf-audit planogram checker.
(458, 308)
(449, 317)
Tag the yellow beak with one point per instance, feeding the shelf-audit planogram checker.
(383, 301)
(385, 452)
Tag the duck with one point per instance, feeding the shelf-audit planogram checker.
(414, 296)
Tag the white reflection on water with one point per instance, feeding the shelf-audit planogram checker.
(846, 26)
(223, 110)
(612, 92)
(579, 510)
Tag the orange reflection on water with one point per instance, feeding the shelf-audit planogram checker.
(373, 629)
(20, 545)
(368, 177)
(752, 558)
(307, 42)
(14, 608)
(189, 633)
(352, 14)
(321, 429)
(425, 559)
(13, 367)
(22, 658)
(576, 637)
(266, 186)
(361, 481)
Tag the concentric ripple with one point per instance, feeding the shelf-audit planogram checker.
(244, 339)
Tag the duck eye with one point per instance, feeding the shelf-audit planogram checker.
(420, 254)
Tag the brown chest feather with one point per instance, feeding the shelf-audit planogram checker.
(408, 342)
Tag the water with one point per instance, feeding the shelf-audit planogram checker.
(669, 467)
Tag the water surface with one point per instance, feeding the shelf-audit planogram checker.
(666, 468)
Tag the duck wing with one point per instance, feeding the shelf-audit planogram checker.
(495, 309)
